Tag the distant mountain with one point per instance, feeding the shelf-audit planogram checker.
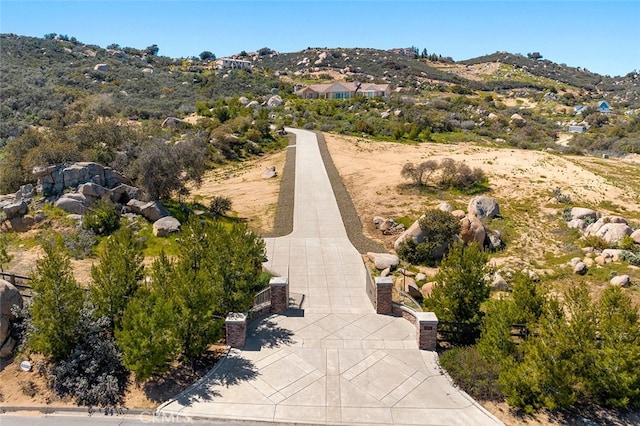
(52, 81)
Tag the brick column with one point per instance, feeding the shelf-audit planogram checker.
(427, 330)
(236, 325)
(384, 288)
(279, 294)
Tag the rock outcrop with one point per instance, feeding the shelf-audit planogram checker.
(53, 180)
(9, 298)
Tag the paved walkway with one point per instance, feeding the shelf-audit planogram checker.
(331, 360)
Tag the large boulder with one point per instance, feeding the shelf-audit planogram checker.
(16, 209)
(171, 122)
(577, 223)
(92, 190)
(493, 240)
(594, 228)
(274, 101)
(614, 232)
(22, 223)
(426, 289)
(499, 283)
(636, 236)
(72, 203)
(5, 329)
(580, 268)
(384, 260)
(10, 298)
(26, 192)
(458, 214)
(482, 207)
(583, 213)
(7, 347)
(152, 211)
(165, 226)
(621, 280)
(445, 207)
(472, 230)
(414, 232)
(123, 193)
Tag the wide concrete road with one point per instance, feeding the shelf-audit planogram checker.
(332, 360)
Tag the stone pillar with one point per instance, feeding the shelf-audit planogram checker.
(384, 290)
(427, 330)
(279, 294)
(236, 325)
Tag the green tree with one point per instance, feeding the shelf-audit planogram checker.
(614, 376)
(148, 338)
(461, 288)
(194, 281)
(217, 271)
(524, 306)
(207, 55)
(56, 303)
(152, 50)
(118, 275)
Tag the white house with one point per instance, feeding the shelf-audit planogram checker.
(232, 63)
(343, 90)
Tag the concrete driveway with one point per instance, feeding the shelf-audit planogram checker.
(330, 359)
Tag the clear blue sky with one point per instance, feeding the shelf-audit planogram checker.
(602, 36)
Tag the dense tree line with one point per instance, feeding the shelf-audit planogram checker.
(138, 319)
(575, 350)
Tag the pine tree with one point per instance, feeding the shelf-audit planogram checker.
(460, 289)
(148, 337)
(117, 277)
(56, 303)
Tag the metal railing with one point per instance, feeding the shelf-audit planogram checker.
(263, 296)
(19, 281)
(401, 297)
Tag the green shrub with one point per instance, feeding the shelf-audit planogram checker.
(440, 230)
(103, 218)
(472, 372)
(80, 243)
(628, 243)
(594, 241)
(220, 205)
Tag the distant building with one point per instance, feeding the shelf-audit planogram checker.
(405, 51)
(579, 109)
(603, 107)
(577, 129)
(342, 90)
(232, 63)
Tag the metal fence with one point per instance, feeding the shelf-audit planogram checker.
(263, 296)
(401, 297)
(20, 282)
